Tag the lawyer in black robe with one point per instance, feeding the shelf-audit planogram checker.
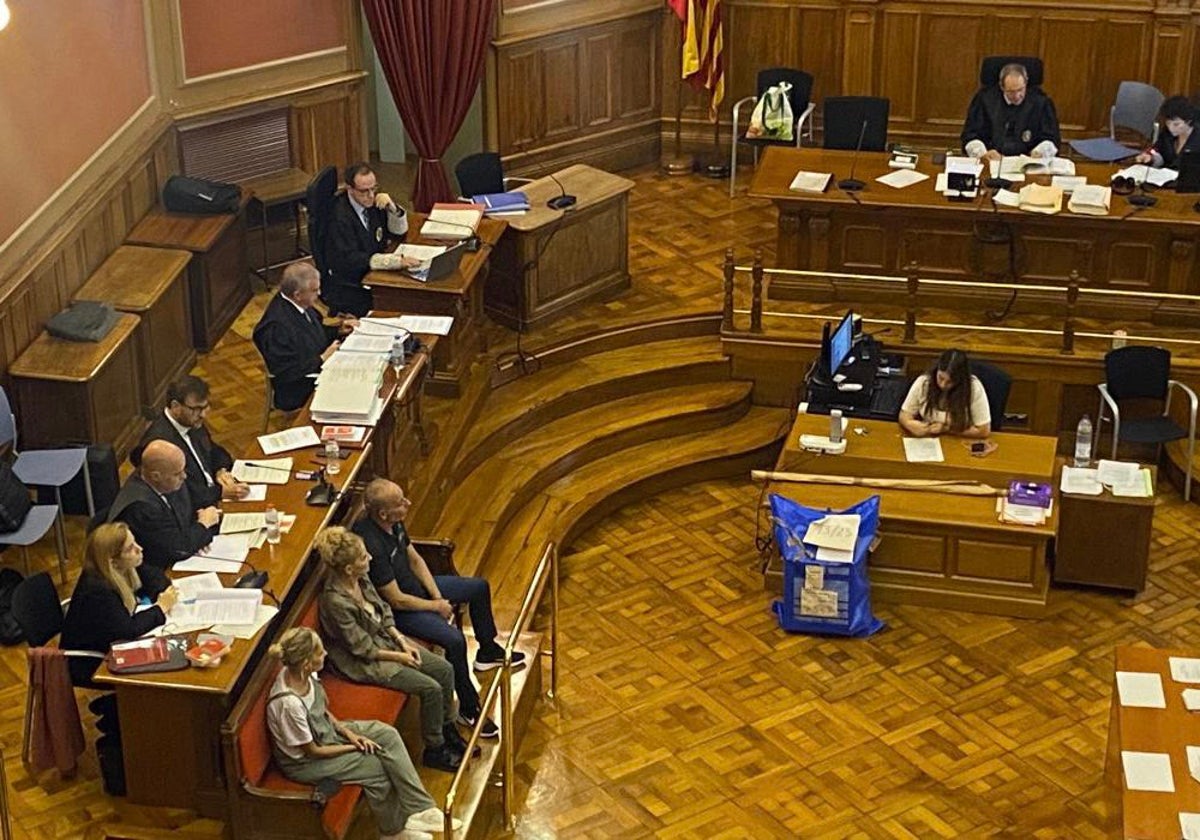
(213, 458)
(291, 341)
(164, 525)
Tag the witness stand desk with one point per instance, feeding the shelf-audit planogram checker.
(150, 283)
(1104, 540)
(936, 549)
(459, 295)
(1151, 815)
(171, 722)
(882, 230)
(551, 260)
(218, 275)
(75, 392)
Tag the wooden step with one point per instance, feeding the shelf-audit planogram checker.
(527, 404)
(483, 502)
(575, 502)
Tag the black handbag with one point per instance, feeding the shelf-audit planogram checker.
(196, 195)
(14, 500)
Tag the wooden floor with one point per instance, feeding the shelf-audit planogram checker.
(683, 712)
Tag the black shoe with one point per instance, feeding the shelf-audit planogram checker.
(442, 757)
(489, 729)
(456, 742)
(494, 658)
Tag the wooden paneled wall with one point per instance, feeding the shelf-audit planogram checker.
(543, 91)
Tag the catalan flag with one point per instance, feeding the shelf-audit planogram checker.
(703, 47)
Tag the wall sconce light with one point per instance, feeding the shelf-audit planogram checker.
(4, 14)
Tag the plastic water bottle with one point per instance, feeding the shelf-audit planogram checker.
(396, 356)
(1083, 442)
(272, 519)
(333, 464)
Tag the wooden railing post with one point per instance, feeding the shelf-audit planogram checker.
(756, 302)
(1068, 341)
(910, 315)
(727, 308)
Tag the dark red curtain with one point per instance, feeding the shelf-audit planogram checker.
(432, 53)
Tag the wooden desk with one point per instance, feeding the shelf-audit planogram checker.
(550, 260)
(886, 229)
(936, 549)
(1148, 815)
(880, 454)
(288, 186)
(218, 275)
(147, 282)
(459, 295)
(185, 709)
(1104, 540)
(71, 392)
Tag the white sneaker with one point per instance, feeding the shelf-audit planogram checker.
(407, 835)
(431, 819)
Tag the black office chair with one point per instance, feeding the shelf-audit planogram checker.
(1144, 373)
(799, 97)
(844, 117)
(996, 384)
(318, 199)
(483, 173)
(37, 610)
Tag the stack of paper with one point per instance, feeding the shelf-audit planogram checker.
(452, 221)
(1013, 514)
(348, 389)
(1069, 183)
(263, 471)
(1142, 174)
(1036, 166)
(1125, 478)
(814, 182)
(220, 606)
(1080, 480)
(1038, 199)
(1090, 200)
(298, 437)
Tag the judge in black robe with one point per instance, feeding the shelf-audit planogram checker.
(1011, 119)
(292, 339)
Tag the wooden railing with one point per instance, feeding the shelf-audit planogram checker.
(1074, 288)
(545, 574)
(5, 816)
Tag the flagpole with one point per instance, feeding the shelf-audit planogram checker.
(715, 164)
(679, 164)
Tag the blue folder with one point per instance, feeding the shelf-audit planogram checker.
(1103, 149)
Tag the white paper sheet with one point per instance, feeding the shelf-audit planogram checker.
(257, 493)
(1189, 824)
(1141, 173)
(235, 523)
(361, 342)
(294, 438)
(1193, 757)
(1007, 198)
(1116, 472)
(199, 563)
(1191, 699)
(901, 178)
(919, 450)
(262, 615)
(833, 555)
(1184, 669)
(836, 531)
(1141, 690)
(1148, 771)
(1068, 183)
(225, 607)
(263, 470)
(428, 324)
(1081, 480)
(191, 586)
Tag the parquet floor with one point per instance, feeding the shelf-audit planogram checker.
(683, 712)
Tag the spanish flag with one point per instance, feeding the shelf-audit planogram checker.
(703, 60)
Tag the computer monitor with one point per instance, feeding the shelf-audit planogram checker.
(841, 343)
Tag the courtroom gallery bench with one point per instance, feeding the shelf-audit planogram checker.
(263, 803)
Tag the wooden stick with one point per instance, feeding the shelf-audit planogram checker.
(930, 485)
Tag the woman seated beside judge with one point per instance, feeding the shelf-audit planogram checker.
(309, 744)
(113, 584)
(366, 647)
(947, 400)
(1177, 118)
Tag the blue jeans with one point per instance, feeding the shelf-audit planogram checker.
(431, 627)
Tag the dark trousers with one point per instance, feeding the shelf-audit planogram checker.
(431, 627)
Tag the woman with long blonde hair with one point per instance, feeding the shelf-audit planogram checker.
(104, 607)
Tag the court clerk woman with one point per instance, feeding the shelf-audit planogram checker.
(947, 399)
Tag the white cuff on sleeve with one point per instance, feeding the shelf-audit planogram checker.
(397, 222)
(975, 149)
(1045, 149)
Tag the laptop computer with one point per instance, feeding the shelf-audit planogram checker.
(438, 266)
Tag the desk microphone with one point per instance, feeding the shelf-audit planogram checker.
(852, 184)
(266, 467)
(563, 200)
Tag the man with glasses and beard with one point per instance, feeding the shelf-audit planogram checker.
(182, 423)
(363, 223)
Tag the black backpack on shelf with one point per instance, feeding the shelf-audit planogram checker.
(196, 195)
(14, 500)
